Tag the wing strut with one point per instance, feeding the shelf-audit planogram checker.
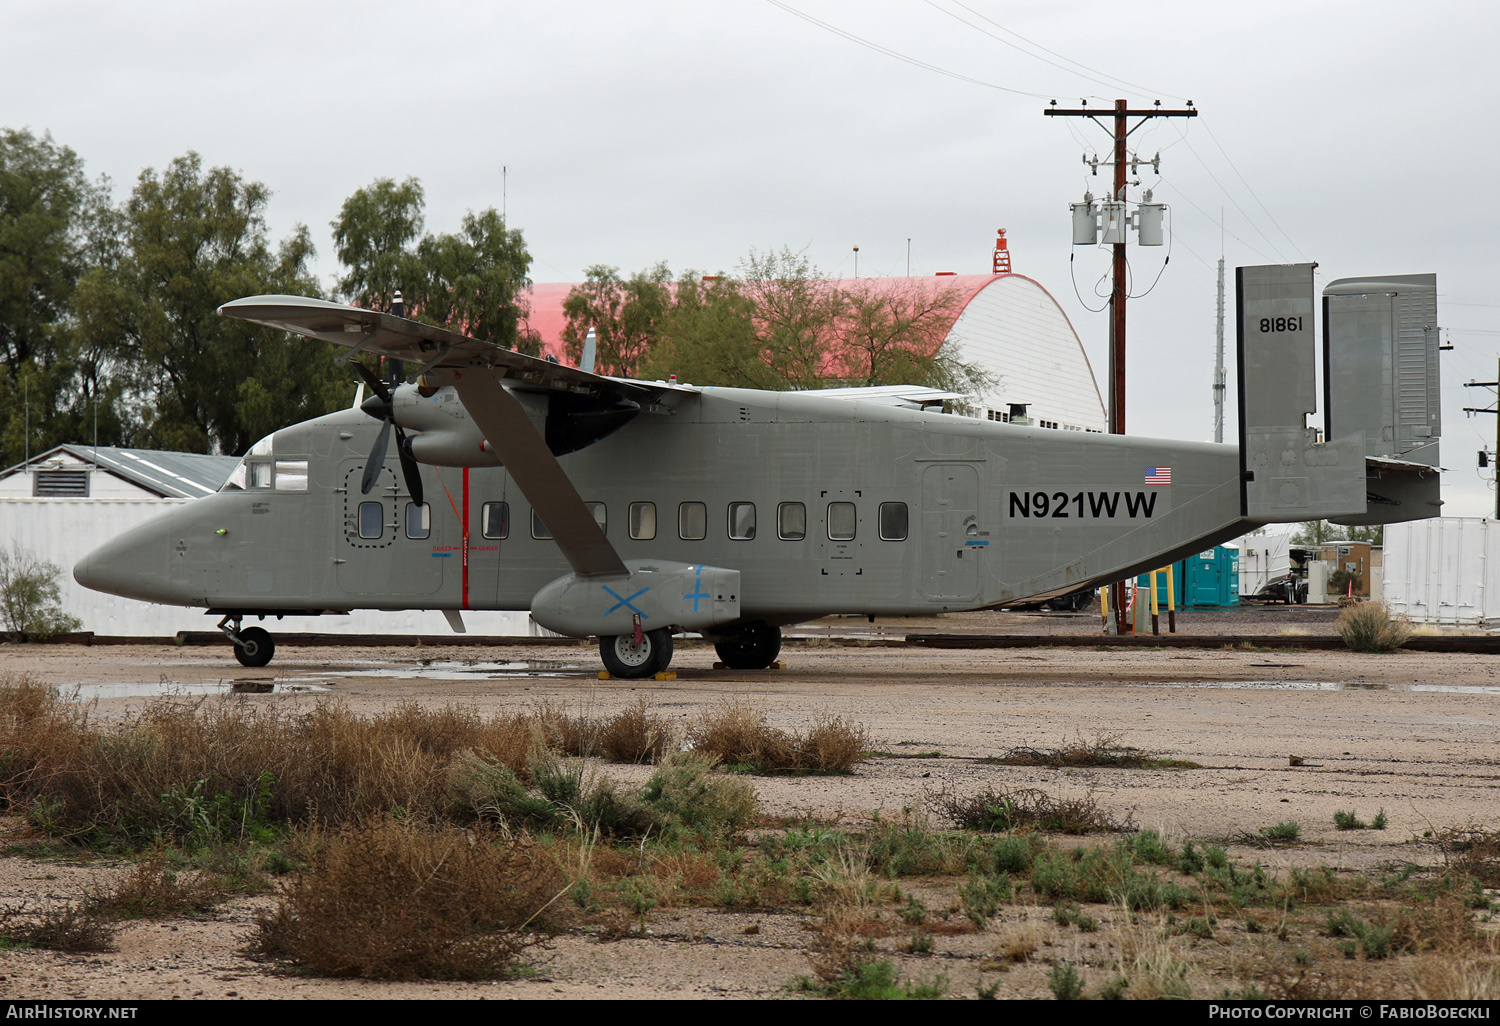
(502, 419)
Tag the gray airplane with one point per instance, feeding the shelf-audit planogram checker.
(632, 510)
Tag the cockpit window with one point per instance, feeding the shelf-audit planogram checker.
(237, 478)
(291, 475)
(242, 476)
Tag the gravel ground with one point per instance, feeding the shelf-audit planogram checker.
(1411, 733)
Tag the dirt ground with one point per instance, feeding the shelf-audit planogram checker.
(1414, 734)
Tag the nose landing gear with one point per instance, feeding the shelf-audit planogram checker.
(252, 646)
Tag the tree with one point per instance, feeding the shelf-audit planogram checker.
(1319, 532)
(625, 313)
(708, 335)
(895, 332)
(54, 224)
(374, 236)
(776, 324)
(193, 240)
(796, 314)
(29, 597)
(474, 281)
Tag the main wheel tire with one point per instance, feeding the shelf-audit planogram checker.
(624, 658)
(753, 646)
(255, 647)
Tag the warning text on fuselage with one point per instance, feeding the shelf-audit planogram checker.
(1084, 505)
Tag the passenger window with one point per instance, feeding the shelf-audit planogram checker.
(643, 521)
(371, 520)
(260, 475)
(494, 520)
(291, 475)
(841, 521)
(539, 529)
(418, 521)
(791, 521)
(600, 514)
(742, 521)
(893, 519)
(692, 521)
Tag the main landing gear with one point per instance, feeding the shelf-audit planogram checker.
(642, 654)
(252, 646)
(637, 655)
(748, 646)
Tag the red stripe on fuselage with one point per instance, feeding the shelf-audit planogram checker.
(466, 538)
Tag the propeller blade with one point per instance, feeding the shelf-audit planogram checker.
(376, 462)
(409, 468)
(376, 385)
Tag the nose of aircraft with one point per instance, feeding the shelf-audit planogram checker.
(134, 565)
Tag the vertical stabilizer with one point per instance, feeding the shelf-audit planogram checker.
(1286, 474)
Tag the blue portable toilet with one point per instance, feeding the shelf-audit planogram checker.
(1210, 578)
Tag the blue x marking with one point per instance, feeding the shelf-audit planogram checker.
(697, 592)
(625, 601)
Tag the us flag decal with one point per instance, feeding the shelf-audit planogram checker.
(1158, 475)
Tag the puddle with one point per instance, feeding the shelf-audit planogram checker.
(172, 689)
(1319, 685)
(451, 670)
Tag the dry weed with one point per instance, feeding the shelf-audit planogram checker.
(72, 929)
(1017, 942)
(402, 900)
(737, 733)
(835, 744)
(1372, 627)
(1028, 808)
(153, 890)
(636, 735)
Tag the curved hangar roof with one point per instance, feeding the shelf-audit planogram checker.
(1007, 324)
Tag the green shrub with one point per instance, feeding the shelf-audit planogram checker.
(1064, 982)
(29, 597)
(1286, 832)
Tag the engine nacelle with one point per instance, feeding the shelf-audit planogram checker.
(458, 445)
(687, 596)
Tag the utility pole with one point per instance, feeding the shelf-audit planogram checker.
(1119, 132)
(1484, 456)
(1219, 363)
(1115, 233)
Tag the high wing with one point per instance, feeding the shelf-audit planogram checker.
(485, 375)
(381, 334)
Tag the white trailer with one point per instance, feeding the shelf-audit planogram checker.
(1445, 570)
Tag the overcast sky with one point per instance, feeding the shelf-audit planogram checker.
(1357, 135)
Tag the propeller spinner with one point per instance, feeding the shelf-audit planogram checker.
(382, 406)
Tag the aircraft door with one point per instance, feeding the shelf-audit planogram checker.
(384, 545)
(953, 541)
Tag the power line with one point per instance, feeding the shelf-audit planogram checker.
(1112, 83)
(1242, 179)
(887, 51)
(1140, 90)
(1248, 219)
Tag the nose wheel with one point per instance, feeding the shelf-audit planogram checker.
(252, 646)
